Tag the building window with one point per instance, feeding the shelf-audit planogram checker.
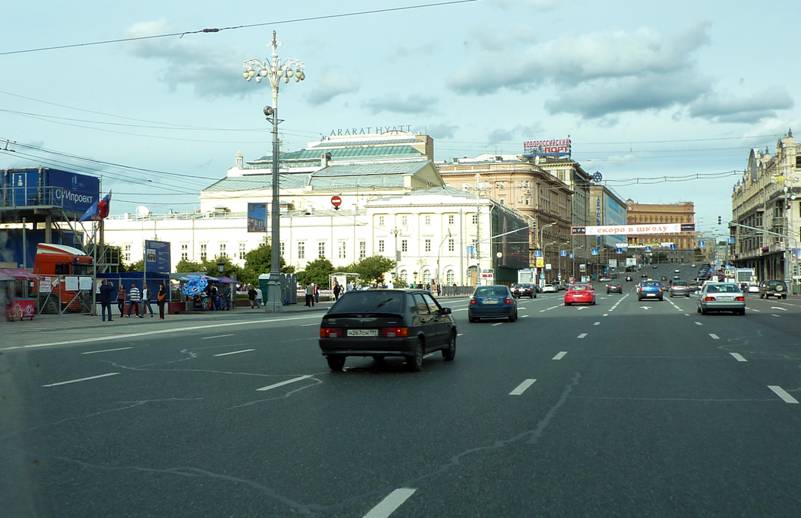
(451, 245)
(428, 245)
(499, 185)
(203, 251)
(321, 249)
(362, 250)
(426, 276)
(242, 250)
(428, 220)
(501, 201)
(404, 275)
(404, 245)
(449, 277)
(341, 251)
(301, 250)
(282, 249)
(184, 251)
(404, 220)
(380, 221)
(223, 253)
(451, 218)
(526, 201)
(380, 245)
(475, 219)
(126, 253)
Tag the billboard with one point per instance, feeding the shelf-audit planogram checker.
(157, 257)
(622, 230)
(558, 148)
(257, 217)
(72, 191)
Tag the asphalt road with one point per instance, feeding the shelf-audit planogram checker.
(638, 409)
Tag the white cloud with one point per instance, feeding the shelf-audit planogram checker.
(398, 104)
(749, 109)
(441, 131)
(329, 85)
(513, 134)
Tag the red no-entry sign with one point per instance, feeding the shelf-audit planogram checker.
(336, 201)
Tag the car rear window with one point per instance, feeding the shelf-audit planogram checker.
(680, 283)
(490, 291)
(775, 283)
(722, 288)
(580, 287)
(370, 302)
(651, 284)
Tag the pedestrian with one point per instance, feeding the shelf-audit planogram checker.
(146, 300)
(161, 300)
(252, 296)
(316, 293)
(226, 297)
(214, 302)
(133, 300)
(309, 295)
(106, 294)
(337, 290)
(121, 299)
(258, 297)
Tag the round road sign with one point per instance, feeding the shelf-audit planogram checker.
(336, 201)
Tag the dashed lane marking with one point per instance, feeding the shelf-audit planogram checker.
(497, 324)
(787, 398)
(559, 355)
(518, 390)
(285, 382)
(234, 352)
(739, 357)
(698, 323)
(390, 503)
(106, 375)
(713, 336)
(582, 335)
(779, 308)
(217, 336)
(596, 323)
(108, 350)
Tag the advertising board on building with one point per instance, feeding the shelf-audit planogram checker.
(558, 148)
(157, 257)
(257, 217)
(72, 191)
(623, 230)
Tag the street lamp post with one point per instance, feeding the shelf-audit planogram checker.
(274, 70)
(542, 248)
(439, 255)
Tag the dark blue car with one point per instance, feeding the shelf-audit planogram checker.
(650, 290)
(492, 302)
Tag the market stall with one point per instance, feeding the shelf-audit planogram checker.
(20, 288)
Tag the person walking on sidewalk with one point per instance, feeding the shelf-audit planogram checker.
(106, 295)
(121, 299)
(134, 297)
(309, 295)
(259, 298)
(161, 299)
(337, 290)
(252, 296)
(316, 293)
(146, 301)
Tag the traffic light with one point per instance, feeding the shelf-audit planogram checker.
(720, 221)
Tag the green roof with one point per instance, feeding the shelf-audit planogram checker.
(258, 181)
(366, 175)
(347, 152)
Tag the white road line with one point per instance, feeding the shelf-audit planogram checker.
(460, 334)
(606, 314)
(596, 323)
(713, 336)
(235, 352)
(428, 355)
(522, 387)
(107, 350)
(739, 357)
(390, 503)
(216, 336)
(753, 309)
(522, 307)
(81, 379)
(686, 314)
(523, 316)
(582, 335)
(282, 383)
(783, 394)
(550, 308)
(777, 307)
(309, 325)
(774, 315)
(559, 355)
(698, 323)
(497, 324)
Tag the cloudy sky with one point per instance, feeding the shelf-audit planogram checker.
(644, 92)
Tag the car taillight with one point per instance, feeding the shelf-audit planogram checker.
(709, 299)
(330, 332)
(394, 332)
(507, 300)
(473, 301)
(740, 299)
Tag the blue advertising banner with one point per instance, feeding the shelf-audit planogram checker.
(72, 191)
(157, 257)
(562, 253)
(595, 251)
(257, 217)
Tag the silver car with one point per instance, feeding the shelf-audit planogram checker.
(721, 296)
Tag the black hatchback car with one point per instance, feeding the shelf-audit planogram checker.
(524, 290)
(379, 323)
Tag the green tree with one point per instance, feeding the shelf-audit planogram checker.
(185, 266)
(137, 266)
(211, 267)
(373, 268)
(259, 261)
(317, 272)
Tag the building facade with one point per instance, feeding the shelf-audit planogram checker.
(766, 213)
(519, 184)
(607, 208)
(673, 247)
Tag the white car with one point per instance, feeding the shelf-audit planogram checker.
(549, 288)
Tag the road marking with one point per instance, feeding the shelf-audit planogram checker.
(698, 323)
(777, 307)
(559, 355)
(783, 394)
(107, 350)
(390, 503)
(460, 334)
(645, 307)
(606, 314)
(523, 316)
(429, 354)
(309, 325)
(580, 308)
(774, 315)
(81, 379)
(713, 336)
(686, 314)
(739, 357)
(522, 387)
(282, 383)
(522, 307)
(216, 336)
(596, 323)
(235, 352)
(497, 324)
(582, 335)
(752, 309)
(549, 308)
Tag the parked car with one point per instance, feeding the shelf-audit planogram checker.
(549, 288)
(773, 288)
(721, 296)
(650, 290)
(387, 322)
(524, 290)
(580, 294)
(614, 287)
(680, 289)
(492, 302)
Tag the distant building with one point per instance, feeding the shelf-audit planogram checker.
(767, 203)
(607, 208)
(684, 243)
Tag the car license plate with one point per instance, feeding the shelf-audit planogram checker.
(362, 332)
(650, 294)
(724, 298)
(490, 301)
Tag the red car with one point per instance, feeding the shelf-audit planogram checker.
(580, 294)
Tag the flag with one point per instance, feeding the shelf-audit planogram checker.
(99, 209)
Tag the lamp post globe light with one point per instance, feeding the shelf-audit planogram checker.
(274, 71)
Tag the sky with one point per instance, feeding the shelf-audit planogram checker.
(643, 90)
